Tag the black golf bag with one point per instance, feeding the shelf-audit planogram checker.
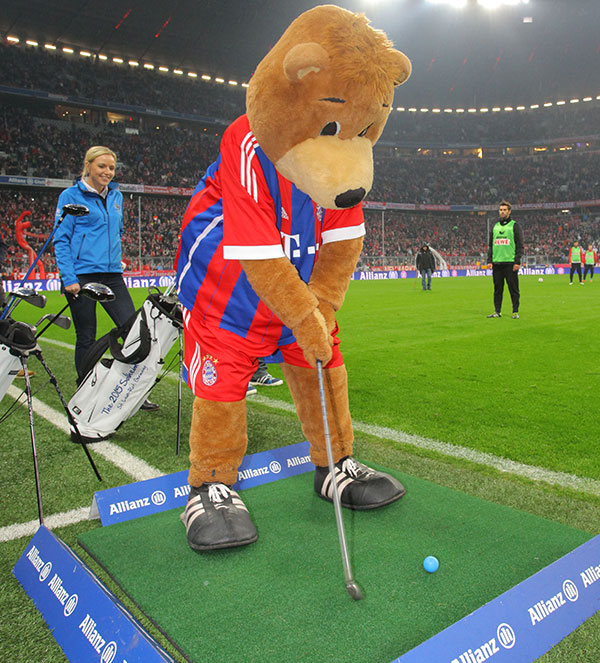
(16, 339)
(114, 388)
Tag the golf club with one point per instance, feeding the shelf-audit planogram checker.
(351, 586)
(96, 291)
(70, 208)
(30, 296)
(61, 321)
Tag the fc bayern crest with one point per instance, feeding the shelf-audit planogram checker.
(209, 373)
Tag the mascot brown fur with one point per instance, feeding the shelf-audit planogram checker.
(316, 105)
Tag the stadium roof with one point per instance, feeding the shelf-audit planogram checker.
(544, 50)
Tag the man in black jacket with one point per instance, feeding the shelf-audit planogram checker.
(425, 266)
(505, 250)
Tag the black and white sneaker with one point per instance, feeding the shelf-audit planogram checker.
(264, 379)
(495, 314)
(360, 487)
(215, 517)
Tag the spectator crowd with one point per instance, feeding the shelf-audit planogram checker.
(392, 237)
(40, 139)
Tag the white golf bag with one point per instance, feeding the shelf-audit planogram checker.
(115, 388)
(16, 339)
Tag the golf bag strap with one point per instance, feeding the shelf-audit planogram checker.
(141, 351)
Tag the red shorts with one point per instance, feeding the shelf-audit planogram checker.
(219, 363)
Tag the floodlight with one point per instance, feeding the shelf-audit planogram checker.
(458, 4)
(494, 4)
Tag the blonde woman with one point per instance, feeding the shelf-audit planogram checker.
(88, 249)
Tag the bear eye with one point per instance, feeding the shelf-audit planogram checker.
(331, 129)
(364, 131)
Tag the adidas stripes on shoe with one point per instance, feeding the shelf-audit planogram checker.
(359, 486)
(264, 379)
(215, 517)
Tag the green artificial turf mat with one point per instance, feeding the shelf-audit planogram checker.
(285, 597)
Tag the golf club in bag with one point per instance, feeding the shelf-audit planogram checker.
(10, 363)
(74, 210)
(114, 388)
(17, 343)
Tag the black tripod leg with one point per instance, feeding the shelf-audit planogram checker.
(70, 419)
(38, 488)
(178, 448)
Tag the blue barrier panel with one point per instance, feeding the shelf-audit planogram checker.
(134, 500)
(86, 620)
(527, 620)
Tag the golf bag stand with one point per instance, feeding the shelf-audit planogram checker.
(113, 389)
(17, 344)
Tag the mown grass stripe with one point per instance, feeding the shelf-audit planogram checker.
(563, 479)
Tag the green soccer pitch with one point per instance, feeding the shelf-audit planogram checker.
(502, 409)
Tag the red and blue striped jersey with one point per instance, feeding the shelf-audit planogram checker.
(243, 209)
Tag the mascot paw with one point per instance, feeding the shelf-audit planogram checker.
(328, 312)
(359, 486)
(312, 336)
(215, 517)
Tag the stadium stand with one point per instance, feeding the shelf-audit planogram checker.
(448, 170)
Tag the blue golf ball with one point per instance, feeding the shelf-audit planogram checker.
(431, 564)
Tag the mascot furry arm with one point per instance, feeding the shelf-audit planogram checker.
(277, 283)
(308, 310)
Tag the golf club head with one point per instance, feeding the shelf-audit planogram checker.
(97, 291)
(62, 321)
(75, 210)
(31, 296)
(354, 590)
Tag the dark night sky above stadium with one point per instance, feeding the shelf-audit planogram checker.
(471, 57)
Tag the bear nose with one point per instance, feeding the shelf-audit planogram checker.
(349, 198)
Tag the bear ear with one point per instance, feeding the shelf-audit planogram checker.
(302, 59)
(401, 68)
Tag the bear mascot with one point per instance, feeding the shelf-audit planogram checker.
(269, 242)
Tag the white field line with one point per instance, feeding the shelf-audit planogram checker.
(18, 530)
(135, 467)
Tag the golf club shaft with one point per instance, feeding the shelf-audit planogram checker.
(38, 489)
(51, 321)
(336, 496)
(68, 412)
(10, 308)
(178, 446)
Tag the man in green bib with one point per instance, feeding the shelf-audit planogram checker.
(505, 250)
(575, 260)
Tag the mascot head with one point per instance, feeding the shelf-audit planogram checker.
(320, 99)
